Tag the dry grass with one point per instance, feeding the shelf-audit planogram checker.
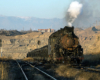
(5, 58)
(91, 60)
(9, 57)
(29, 59)
(88, 76)
(98, 66)
(3, 71)
(66, 71)
(76, 74)
(38, 77)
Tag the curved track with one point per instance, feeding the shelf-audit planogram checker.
(22, 71)
(34, 71)
(29, 70)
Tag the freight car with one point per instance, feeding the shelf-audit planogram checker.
(39, 54)
(63, 46)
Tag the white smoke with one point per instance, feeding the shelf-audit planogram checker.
(73, 11)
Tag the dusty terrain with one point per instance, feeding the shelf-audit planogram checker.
(9, 70)
(76, 74)
(89, 39)
(18, 46)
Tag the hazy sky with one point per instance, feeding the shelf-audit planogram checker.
(34, 8)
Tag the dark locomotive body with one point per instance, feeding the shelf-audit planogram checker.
(63, 46)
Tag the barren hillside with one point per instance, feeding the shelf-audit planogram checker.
(18, 46)
(89, 39)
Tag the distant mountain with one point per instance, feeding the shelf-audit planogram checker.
(25, 23)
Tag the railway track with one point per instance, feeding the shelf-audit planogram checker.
(93, 69)
(31, 72)
(9, 70)
(35, 71)
(83, 68)
(87, 68)
(26, 78)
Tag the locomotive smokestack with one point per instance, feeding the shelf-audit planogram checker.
(73, 11)
(70, 29)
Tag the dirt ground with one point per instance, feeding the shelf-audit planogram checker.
(76, 74)
(9, 70)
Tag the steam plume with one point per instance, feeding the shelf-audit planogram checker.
(73, 11)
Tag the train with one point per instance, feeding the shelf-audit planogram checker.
(63, 47)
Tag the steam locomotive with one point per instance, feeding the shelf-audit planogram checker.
(63, 46)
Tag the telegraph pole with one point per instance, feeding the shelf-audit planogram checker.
(1, 46)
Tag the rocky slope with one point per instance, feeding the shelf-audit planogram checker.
(18, 46)
(89, 39)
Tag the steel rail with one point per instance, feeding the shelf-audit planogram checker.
(42, 71)
(89, 68)
(93, 69)
(22, 71)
